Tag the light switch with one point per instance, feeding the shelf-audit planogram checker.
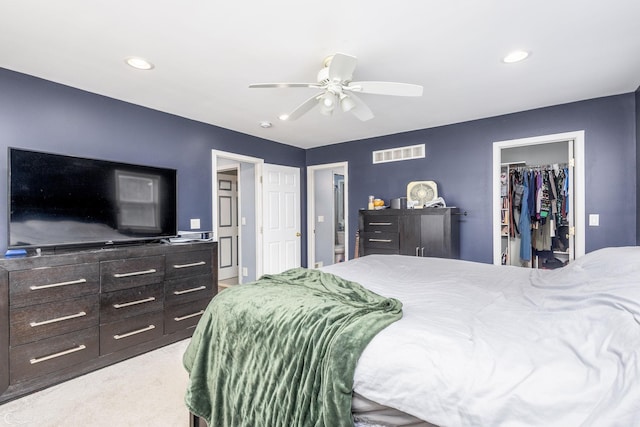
(594, 220)
(243, 220)
(195, 223)
(320, 218)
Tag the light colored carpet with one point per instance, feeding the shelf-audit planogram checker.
(147, 390)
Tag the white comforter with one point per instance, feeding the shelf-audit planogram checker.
(485, 345)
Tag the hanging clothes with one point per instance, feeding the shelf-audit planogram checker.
(525, 222)
(538, 209)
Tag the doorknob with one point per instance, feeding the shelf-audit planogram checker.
(298, 234)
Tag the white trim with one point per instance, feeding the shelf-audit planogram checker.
(311, 238)
(578, 181)
(257, 205)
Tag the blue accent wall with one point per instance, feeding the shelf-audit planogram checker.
(40, 115)
(638, 166)
(459, 158)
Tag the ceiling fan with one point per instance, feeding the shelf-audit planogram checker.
(337, 88)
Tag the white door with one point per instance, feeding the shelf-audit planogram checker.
(227, 225)
(281, 218)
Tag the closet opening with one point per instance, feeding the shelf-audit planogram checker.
(539, 200)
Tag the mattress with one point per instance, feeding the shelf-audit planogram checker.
(480, 344)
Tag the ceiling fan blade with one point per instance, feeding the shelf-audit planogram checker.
(361, 110)
(385, 88)
(305, 107)
(341, 67)
(278, 85)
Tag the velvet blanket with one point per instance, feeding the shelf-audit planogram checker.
(282, 351)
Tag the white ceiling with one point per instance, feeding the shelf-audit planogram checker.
(206, 54)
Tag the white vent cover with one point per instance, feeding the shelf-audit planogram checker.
(400, 153)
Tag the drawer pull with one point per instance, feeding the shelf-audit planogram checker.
(380, 240)
(139, 331)
(55, 285)
(58, 319)
(380, 223)
(134, 273)
(188, 316)
(186, 291)
(53, 356)
(193, 264)
(127, 304)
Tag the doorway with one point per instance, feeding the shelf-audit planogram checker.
(227, 227)
(327, 214)
(571, 143)
(248, 206)
(268, 213)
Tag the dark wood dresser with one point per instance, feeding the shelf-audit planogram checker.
(428, 232)
(67, 314)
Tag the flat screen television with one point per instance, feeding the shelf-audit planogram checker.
(60, 201)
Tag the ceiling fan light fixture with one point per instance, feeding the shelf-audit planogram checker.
(346, 103)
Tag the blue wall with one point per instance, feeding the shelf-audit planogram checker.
(459, 159)
(41, 115)
(638, 166)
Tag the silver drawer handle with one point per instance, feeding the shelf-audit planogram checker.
(58, 319)
(53, 356)
(139, 331)
(127, 304)
(55, 285)
(380, 240)
(380, 223)
(193, 264)
(135, 273)
(188, 316)
(186, 291)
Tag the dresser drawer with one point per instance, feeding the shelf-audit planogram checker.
(381, 223)
(42, 321)
(50, 355)
(130, 331)
(117, 305)
(128, 273)
(192, 263)
(184, 316)
(380, 243)
(179, 291)
(48, 284)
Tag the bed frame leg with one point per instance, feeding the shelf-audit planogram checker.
(196, 421)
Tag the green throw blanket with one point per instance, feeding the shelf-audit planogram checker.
(282, 351)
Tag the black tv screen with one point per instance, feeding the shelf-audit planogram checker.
(58, 200)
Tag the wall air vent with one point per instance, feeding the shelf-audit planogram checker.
(400, 153)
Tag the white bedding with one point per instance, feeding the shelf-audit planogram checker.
(485, 345)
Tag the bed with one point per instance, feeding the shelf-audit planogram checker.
(485, 345)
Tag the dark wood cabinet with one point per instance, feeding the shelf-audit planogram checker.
(429, 232)
(63, 315)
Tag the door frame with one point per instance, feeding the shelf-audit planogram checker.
(221, 170)
(311, 237)
(578, 179)
(257, 205)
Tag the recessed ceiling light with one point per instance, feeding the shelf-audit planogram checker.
(265, 124)
(283, 116)
(139, 63)
(515, 56)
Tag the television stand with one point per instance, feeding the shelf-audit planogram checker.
(65, 314)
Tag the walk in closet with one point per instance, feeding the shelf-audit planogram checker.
(537, 205)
